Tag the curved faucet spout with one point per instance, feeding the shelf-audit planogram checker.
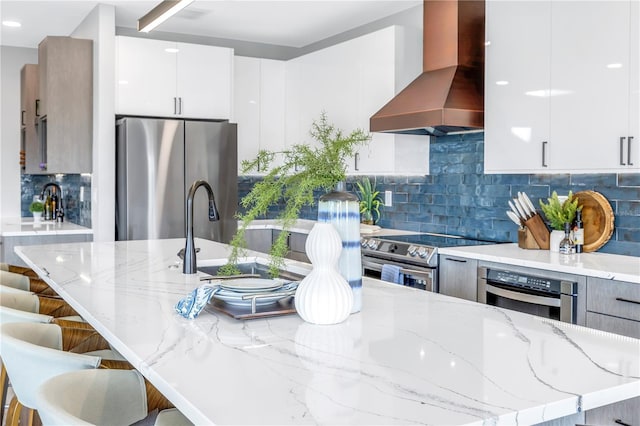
(189, 265)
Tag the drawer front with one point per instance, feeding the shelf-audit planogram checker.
(617, 298)
(620, 326)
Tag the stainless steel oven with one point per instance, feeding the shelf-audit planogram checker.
(416, 255)
(537, 295)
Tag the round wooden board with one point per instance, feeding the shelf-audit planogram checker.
(597, 217)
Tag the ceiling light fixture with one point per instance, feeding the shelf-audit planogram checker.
(161, 13)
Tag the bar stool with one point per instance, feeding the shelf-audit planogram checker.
(99, 397)
(25, 281)
(10, 279)
(34, 352)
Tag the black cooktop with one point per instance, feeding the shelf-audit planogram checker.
(436, 240)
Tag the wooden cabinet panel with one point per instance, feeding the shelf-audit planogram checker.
(458, 277)
(29, 81)
(617, 298)
(65, 126)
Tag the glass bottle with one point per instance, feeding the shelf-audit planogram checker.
(578, 232)
(566, 245)
(47, 206)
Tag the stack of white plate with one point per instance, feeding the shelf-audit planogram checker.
(239, 292)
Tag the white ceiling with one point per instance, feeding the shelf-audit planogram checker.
(292, 23)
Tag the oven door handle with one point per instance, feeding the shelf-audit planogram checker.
(415, 272)
(378, 267)
(523, 297)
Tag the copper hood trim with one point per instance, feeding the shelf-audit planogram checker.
(449, 94)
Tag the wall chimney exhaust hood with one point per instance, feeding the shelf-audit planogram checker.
(449, 94)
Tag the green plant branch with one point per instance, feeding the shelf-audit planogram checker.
(304, 169)
(560, 213)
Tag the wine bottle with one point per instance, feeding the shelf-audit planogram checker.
(566, 245)
(47, 206)
(578, 232)
(54, 205)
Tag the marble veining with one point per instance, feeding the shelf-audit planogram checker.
(409, 357)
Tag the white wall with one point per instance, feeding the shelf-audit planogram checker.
(11, 61)
(99, 26)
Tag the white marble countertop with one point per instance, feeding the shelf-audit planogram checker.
(25, 226)
(601, 265)
(409, 357)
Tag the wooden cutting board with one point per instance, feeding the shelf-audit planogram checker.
(597, 217)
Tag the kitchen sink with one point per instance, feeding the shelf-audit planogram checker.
(253, 268)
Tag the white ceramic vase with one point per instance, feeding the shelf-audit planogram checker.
(554, 240)
(324, 296)
(37, 217)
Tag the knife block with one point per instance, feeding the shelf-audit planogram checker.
(539, 231)
(526, 240)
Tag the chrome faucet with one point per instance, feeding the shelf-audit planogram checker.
(189, 265)
(59, 207)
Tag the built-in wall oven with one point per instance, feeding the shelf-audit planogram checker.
(415, 257)
(537, 295)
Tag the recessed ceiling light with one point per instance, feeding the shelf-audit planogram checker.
(14, 24)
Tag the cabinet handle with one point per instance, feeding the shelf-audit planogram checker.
(622, 163)
(455, 260)
(175, 105)
(22, 117)
(621, 299)
(37, 107)
(629, 140)
(180, 105)
(620, 422)
(544, 153)
(356, 158)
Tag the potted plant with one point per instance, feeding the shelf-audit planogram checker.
(36, 208)
(558, 212)
(305, 169)
(370, 201)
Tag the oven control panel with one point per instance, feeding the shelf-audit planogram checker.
(546, 285)
(397, 250)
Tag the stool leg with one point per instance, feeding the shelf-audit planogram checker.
(30, 418)
(4, 382)
(13, 413)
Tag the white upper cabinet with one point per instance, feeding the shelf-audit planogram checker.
(562, 87)
(160, 78)
(350, 81)
(590, 59)
(259, 96)
(517, 79)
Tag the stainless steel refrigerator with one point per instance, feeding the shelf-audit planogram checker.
(157, 160)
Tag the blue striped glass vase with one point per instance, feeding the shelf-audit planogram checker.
(342, 209)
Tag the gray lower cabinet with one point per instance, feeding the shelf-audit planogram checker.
(261, 240)
(614, 306)
(458, 277)
(8, 243)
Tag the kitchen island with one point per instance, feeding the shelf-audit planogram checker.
(409, 356)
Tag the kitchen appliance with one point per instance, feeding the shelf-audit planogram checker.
(537, 295)
(449, 94)
(157, 160)
(416, 255)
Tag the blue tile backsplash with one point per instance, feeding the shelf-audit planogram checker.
(77, 195)
(458, 198)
